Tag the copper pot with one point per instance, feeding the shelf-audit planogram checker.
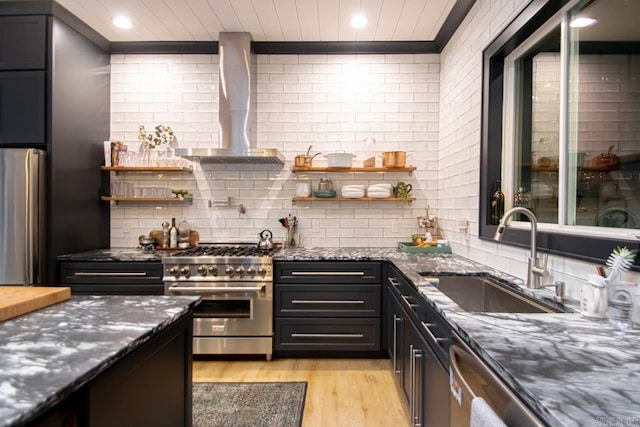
(302, 161)
(394, 159)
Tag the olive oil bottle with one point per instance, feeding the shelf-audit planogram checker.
(497, 205)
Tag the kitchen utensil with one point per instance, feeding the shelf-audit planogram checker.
(266, 240)
(394, 159)
(593, 297)
(147, 243)
(301, 161)
(340, 159)
(283, 221)
(18, 300)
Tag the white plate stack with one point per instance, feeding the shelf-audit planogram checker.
(354, 191)
(379, 191)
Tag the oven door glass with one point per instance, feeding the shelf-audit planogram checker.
(234, 314)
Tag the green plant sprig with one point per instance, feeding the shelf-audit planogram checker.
(161, 136)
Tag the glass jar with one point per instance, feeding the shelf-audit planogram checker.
(325, 184)
(620, 305)
(184, 234)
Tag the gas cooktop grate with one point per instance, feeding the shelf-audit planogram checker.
(226, 251)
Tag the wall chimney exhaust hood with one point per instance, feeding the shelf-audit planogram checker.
(237, 108)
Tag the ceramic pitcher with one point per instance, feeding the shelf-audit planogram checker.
(593, 297)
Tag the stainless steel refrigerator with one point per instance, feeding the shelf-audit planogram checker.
(22, 216)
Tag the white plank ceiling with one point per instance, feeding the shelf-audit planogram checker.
(266, 20)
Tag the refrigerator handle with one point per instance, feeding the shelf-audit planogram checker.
(31, 176)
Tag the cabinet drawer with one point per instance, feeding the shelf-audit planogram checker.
(23, 42)
(327, 301)
(343, 272)
(352, 334)
(102, 278)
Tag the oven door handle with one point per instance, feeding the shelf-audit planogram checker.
(217, 290)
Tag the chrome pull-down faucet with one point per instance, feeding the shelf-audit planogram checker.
(537, 267)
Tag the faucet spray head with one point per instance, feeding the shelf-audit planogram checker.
(499, 232)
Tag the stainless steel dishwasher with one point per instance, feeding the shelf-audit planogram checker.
(470, 377)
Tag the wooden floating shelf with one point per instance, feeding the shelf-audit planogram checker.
(118, 199)
(346, 199)
(145, 169)
(356, 169)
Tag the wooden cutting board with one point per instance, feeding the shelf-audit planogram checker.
(18, 300)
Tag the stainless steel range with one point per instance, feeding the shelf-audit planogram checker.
(235, 281)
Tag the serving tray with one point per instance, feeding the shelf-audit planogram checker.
(409, 247)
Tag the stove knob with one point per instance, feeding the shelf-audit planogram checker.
(213, 270)
(251, 271)
(240, 271)
(262, 271)
(229, 271)
(202, 270)
(174, 270)
(185, 271)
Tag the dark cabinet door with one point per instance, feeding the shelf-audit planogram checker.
(23, 41)
(22, 107)
(396, 324)
(427, 382)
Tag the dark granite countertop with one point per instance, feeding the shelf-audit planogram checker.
(574, 370)
(47, 354)
(114, 254)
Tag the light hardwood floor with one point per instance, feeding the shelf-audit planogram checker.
(340, 392)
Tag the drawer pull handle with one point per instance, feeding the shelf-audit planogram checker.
(110, 273)
(295, 335)
(301, 301)
(393, 281)
(214, 290)
(431, 335)
(404, 297)
(327, 273)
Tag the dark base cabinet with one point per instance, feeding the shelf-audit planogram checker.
(327, 308)
(417, 348)
(112, 277)
(150, 387)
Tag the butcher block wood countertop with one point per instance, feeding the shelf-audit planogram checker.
(18, 300)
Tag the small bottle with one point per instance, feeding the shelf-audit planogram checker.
(165, 235)
(497, 205)
(173, 234)
(518, 198)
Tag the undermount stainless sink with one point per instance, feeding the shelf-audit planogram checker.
(482, 294)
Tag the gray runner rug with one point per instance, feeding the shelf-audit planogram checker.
(272, 404)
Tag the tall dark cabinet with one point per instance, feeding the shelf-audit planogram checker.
(55, 96)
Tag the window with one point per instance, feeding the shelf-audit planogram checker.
(561, 125)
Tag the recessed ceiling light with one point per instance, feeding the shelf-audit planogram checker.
(121, 22)
(582, 22)
(359, 21)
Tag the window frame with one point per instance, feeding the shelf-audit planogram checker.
(594, 247)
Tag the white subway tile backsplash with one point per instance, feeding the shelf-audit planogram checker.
(329, 101)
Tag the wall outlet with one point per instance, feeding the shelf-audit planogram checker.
(463, 224)
(394, 226)
(315, 227)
